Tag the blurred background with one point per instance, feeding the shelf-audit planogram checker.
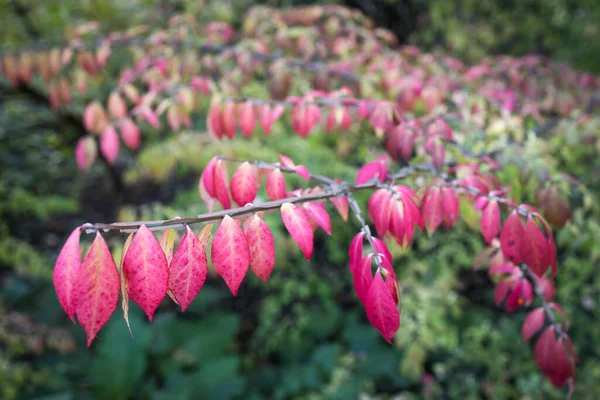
(303, 335)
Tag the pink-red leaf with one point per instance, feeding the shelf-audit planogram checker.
(247, 118)
(262, 248)
(490, 221)
(130, 133)
(379, 210)
(355, 252)
(230, 253)
(432, 209)
(533, 323)
(97, 291)
(109, 144)
(146, 271)
(363, 277)
(511, 238)
(188, 269)
(318, 214)
(275, 185)
(298, 225)
(534, 248)
(244, 184)
(221, 180)
(66, 273)
(341, 205)
(382, 310)
(208, 177)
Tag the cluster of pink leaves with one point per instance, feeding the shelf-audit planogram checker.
(149, 270)
(161, 82)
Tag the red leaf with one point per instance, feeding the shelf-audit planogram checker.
(490, 221)
(511, 237)
(244, 184)
(379, 210)
(109, 144)
(368, 172)
(382, 249)
(432, 209)
(501, 290)
(298, 225)
(146, 271)
(66, 273)
(318, 214)
(544, 350)
(222, 184)
(97, 290)
(130, 134)
(213, 120)
(533, 323)
(228, 112)
(341, 205)
(275, 186)
(188, 269)
(230, 253)
(522, 294)
(116, 106)
(262, 248)
(247, 118)
(208, 177)
(355, 252)
(86, 152)
(534, 248)
(363, 277)
(381, 308)
(450, 206)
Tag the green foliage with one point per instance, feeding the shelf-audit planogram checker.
(473, 29)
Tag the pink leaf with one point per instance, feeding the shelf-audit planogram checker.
(230, 253)
(368, 172)
(97, 290)
(511, 238)
(247, 118)
(262, 248)
(298, 225)
(386, 255)
(66, 273)
(213, 120)
(363, 277)
(318, 214)
(208, 177)
(341, 205)
(490, 221)
(450, 205)
(379, 210)
(222, 184)
(432, 209)
(275, 185)
(188, 269)
(86, 152)
(228, 112)
(146, 271)
(130, 134)
(355, 252)
(244, 184)
(381, 308)
(534, 248)
(116, 106)
(109, 144)
(533, 323)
